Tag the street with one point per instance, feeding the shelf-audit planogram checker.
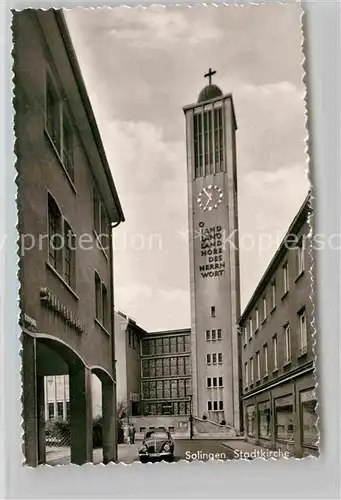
(185, 449)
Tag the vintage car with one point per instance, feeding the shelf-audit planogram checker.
(157, 445)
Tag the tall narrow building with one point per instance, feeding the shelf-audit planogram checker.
(214, 256)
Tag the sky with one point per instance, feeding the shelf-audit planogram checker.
(140, 67)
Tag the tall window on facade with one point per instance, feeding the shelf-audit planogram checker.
(284, 418)
(273, 295)
(266, 363)
(251, 421)
(69, 255)
(285, 270)
(274, 352)
(246, 375)
(257, 366)
(101, 220)
(264, 419)
(62, 244)
(303, 331)
(309, 418)
(55, 235)
(300, 257)
(287, 356)
(102, 305)
(58, 127)
(208, 142)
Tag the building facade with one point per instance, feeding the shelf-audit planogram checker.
(154, 375)
(276, 337)
(128, 337)
(214, 255)
(67, 205)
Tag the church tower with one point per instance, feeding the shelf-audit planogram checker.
(214, 255)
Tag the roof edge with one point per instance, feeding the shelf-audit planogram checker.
(61, 22)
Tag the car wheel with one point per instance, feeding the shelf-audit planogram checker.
(170, 458)
(143, 460)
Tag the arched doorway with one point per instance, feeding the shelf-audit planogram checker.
(44, 355)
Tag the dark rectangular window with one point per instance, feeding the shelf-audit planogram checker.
(51, 411)
(212, 311)
(98, 296)
(209, 405)
(209, 382)
(220, 381)
(221, 405)
(53, 114)
(69, 255)
(55, 235)
(58, 127)
(60, 410)
(214, 381)
(219, 334)
(101, 220)
(102, 302)
(198, 147)
(215, 405)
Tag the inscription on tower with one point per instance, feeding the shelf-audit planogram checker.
(212, 263)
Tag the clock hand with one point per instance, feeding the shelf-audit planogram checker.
(209, 196)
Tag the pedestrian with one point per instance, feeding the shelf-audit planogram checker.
(132, 433)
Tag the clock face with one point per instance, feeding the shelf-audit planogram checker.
(210, 197)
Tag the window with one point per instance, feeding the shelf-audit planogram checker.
(309, 418)
(173, 345)
(208, 359)
(265, 308)
(303, 331)
(251, 370)
(130, 338)
(55, 235)
(51, 411)
(215, 405)
(251, 421)
(284, 418)
(213, 312)
(221, 405)
(300, 257)
(214, 358)
(266, 365)
(102, 306)
(209, 405)
(257, 319)
(101, 220)
(58, 127)
(62, 244)
(68, 412)
(246, 375)
(214, 381)
(245, 334)
(285, 270)
(264, 419)
(173, 367)
(219, 334)
(208, 335)
(274, 348)
(165, 345)
(287, 357)
(198, 147)
(220, 357)
(214, 335)
(250, 328)
(220, 381)
(273, 295)
(209, 382)
(105, 316)
(60, 410)
(257, 366)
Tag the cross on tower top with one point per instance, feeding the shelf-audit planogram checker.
(209, 75)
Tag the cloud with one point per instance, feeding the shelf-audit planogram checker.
(141, 66)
